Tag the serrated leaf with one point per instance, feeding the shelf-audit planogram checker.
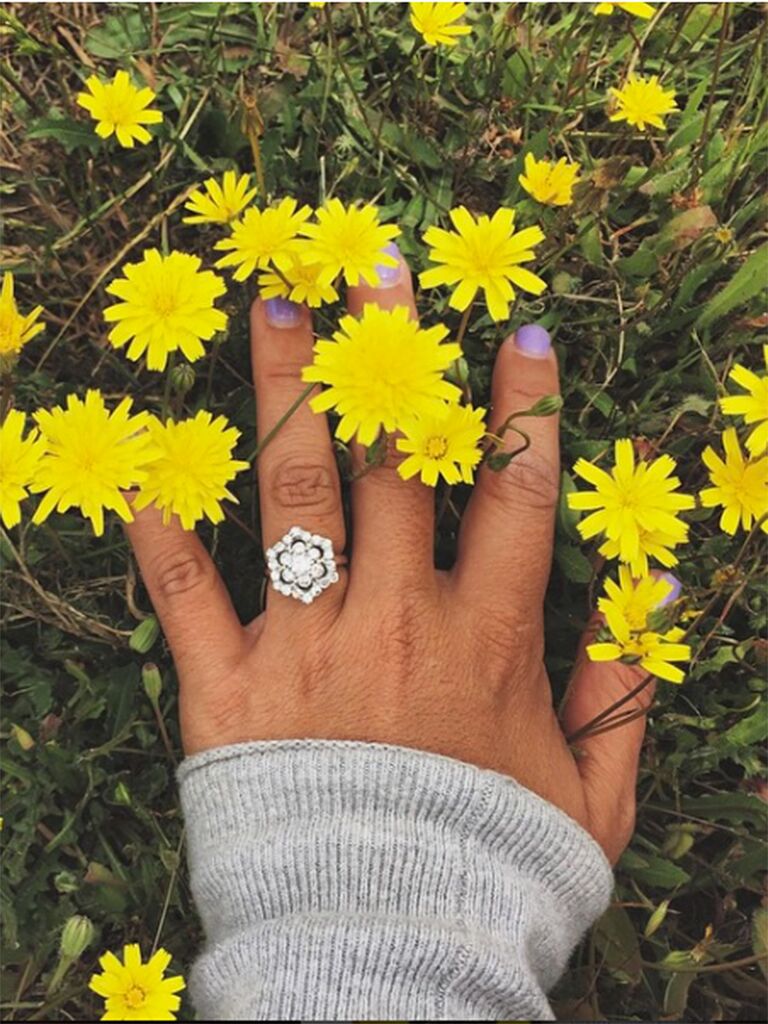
(736, 808)
(660, 873)
(749, 280)
(71, 134)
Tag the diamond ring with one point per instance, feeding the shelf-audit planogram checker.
(302, 565)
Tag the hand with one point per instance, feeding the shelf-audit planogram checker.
(396, 652)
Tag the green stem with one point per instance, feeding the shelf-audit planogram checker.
(280, 423)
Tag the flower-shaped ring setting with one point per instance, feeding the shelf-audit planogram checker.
(302, 565)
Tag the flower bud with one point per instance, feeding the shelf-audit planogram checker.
(66, 881)
(123, 794)
(546, 406)
(145, 634)
(77, 935)
(656, 919)
(182, 378)
(22, 737)
(152, 680)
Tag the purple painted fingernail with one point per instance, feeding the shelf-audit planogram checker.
(533, 340)
(282, 313)
(389, 276)
(674, 593)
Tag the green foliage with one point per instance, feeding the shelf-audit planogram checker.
(656, 273)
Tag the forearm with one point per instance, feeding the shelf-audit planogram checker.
(340, 880)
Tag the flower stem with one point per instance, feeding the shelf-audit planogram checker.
(280, 423)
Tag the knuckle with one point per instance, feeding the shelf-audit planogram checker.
(298, 483)
(180, 572)
(530, 481)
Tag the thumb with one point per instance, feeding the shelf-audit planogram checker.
(608, 761)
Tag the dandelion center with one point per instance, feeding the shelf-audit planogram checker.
(135, 996)
(436, 447)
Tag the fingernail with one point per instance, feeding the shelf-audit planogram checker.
(674, 593)
(533, 341)
(389, 276)
(282, 313)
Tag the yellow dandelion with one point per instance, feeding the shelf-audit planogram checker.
(299, 283)
(91, 456)
(753, 406)
(739, 485)
(167, 304)
(628, 609)
(382, 370)
(654, 544)
(642, 102)
(348, 240)
(19, 459)
(15, 329)
(220, 203)
(119, 107)
(638, 10)
(483, 254)
(134, 990)
(436, 22)
(634, 507)
(262, 237)
(550, 183)
(189, 477)
(446, 445)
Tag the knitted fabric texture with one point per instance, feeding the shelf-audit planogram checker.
(341, 880)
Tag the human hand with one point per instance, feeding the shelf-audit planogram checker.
(397, 652)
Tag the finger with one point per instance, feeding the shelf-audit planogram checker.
(189, 597)
(393, 518)
(505, 542)
(298, 479)
(607, 761)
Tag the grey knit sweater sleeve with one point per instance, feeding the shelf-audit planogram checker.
(341, 880)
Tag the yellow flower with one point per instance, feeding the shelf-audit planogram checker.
(382, 370)
(91, 455)
(349, 241)
(752, 406)
(446, 445)
(642, 102)
(219, 204)
(740, 486)
(15, 330)
(194, 465)
(639, 10)
(627, 608)
(483, 254)
(437, 22)
(19, 460)
(653, 544)
(167, 305)
(119, 107)
(262, 237)
(134, 990)
(635, 507)
(550, 183)
(303, 285)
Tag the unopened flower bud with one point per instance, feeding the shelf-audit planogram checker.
(145, 634)
(547, 406)
(182, 378)
(152, 680)
(66, 881)
(123, 794)
(77, 935)
(22, 737)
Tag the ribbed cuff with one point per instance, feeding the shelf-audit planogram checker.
(339, 880)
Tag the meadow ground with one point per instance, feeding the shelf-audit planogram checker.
(655, 275)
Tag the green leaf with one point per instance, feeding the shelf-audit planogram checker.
(676, 994)
(71, 134)
(567, 517)
(749, 731)
(616, 939)
(749, 280)
(736, 808)
(119, 36)
(659, 872)
(573, 563)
